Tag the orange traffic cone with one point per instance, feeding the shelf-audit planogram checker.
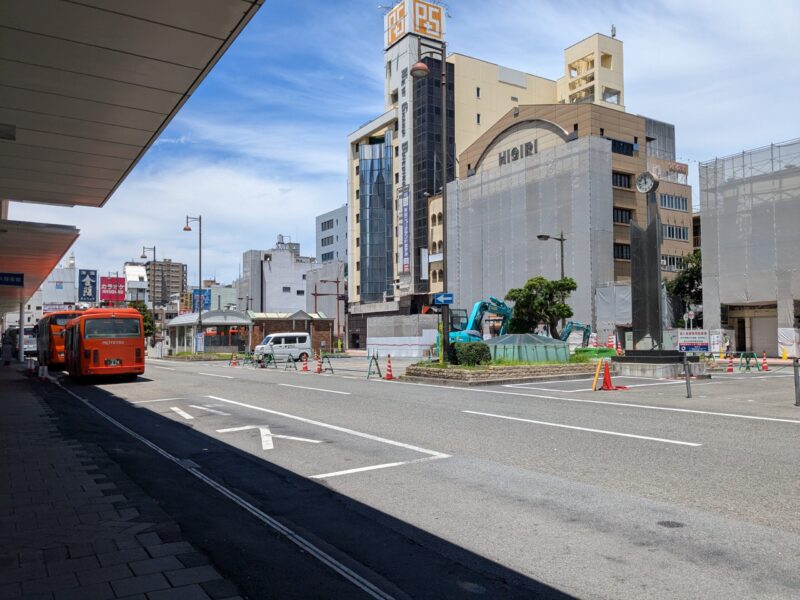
(620, 351)
(607, 385)
(764, 365)
(594, 341)
(389, 375)
(319, 363)
(233, 360)
(610, 341)
(730, 364)
(305, 363)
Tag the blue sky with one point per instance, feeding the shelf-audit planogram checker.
(260, 148)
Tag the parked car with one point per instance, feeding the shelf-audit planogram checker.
(294, 345)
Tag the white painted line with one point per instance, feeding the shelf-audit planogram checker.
(525, 385)
(607, 402)
(182, 413)
(305, 387)
(162, 368)
(322, 556)
(211, 410)
(157, 400)
(215, 375)
(373, 468)
(603, 431)
(368, 436)
(267, 435)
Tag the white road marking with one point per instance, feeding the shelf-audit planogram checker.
(182, 413)
(372, 468)
(305, 387)
(163, 368)
(632, 385)
(603, 431)
(215, 375)
(211, 410)
(157, 400)
(608, 402)
(368, 436)
(302, 543)
(267, 435)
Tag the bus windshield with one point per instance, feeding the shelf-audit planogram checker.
(62, 320)
(112, 328)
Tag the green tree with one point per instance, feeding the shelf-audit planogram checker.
(688, 283)
(147, 317)
(540, 300)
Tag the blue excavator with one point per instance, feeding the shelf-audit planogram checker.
(463, 329)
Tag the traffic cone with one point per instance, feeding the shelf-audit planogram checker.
(764, 365)
(305, 364)
(610, 341)
(730, 364)
(389, 375)
(319, 363)
(233, 360)
(620, 351)
(607, 385)
(594, 341)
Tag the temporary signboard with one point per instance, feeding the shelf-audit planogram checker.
(200, 342)
(206, 299)
(693, 340)
(112, 289)
(87, 286)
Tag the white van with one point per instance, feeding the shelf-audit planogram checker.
(295, 345)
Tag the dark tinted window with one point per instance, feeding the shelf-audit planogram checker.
(112, 328)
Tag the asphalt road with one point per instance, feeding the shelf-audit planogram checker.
(507, 491)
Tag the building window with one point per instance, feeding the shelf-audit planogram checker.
(397, 150)
(676, 232)
(326, 225)
(301, 292)
(673, 202)
(358, 265)
(358, 217)
(327, 256)
(327, 241)
(514, 99)
(356, 169)
(620, 147)
(358, 289)
(287, 289)
(477, 92)
(358, 242)
(622, 180)
(478, 118)
(622, 251)
(356, 194)
(622, 215)
(671, 263)
(433, 276)
(397, 177)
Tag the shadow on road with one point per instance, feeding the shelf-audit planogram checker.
(402, 560)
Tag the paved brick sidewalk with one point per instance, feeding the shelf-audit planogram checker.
(74, 526)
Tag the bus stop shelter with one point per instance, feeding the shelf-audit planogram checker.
(221, 331)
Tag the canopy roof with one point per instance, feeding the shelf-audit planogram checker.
(300, 315)
(212, 318)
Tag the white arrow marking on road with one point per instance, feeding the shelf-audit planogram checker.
(267, 435)
(182, 413)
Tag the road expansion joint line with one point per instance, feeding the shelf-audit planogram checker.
(343, 570)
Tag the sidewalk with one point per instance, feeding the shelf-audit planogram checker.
(74, 526)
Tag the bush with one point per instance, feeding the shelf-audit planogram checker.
(472, 353)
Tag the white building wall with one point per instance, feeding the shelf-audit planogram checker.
(285, 282)
(336, 248)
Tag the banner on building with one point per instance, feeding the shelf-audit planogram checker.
(112, 289)
(87, 285)
(406, 232)
(206, 299)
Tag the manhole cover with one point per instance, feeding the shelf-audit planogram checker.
(671, 524)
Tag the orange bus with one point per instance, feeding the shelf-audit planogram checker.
(50, 337)
(105, 341)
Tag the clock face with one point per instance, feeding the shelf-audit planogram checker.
(646, 182)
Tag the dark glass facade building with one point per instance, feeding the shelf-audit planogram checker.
(428, 151)
(375, 204)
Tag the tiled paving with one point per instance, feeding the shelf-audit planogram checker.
(74, 526)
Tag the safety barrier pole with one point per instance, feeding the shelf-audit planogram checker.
(686, 373)
(796, 381)
(597, 374)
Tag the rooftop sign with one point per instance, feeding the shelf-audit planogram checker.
(414, 16)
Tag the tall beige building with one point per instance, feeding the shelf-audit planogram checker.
(394, 160)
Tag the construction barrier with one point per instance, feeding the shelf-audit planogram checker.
(744, 362)
(289, 364)
(373, 364)
(764, 365)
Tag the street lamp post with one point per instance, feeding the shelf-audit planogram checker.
(560, 238)
(418, 71)
(199, 221)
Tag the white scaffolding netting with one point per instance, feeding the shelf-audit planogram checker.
(495, 215)
(750, 214)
